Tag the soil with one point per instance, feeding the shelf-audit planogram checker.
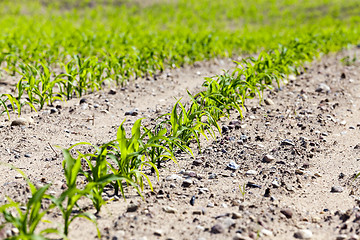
(284, 171)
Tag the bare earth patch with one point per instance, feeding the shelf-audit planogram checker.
(284, 171)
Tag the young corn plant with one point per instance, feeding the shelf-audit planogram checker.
(26, 219)
(128, 158)
(98, 174)
(186, 125)
(68, 199)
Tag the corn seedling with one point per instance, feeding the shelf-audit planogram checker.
(27, 219)
(68, 199)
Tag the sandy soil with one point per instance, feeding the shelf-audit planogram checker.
(295, 159)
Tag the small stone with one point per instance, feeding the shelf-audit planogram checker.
(252, 185)
(197, 162)
(268, 101)
(287, 213)
(354, 237)
(238, 236)
(342, 237)
(112, 92)
(53, 110)
(203, 190)
(251, 172)
(233, 166)
(18, 176)
(212, 176)
(337, 189)
(292, 77)
(132, 207)
(15, 231)
(303, 234)
(187, 182)
(169, 209)
(266, 233)
(173, 177)
(83, 100)
(323, 88)
(217, 228)
(236, 215)
(197, 212)
(343, 123)
(275, 184)
(315, 219)
(27, 155)
(19, 122)
(131, 113)
(158, 232)
(268, 158)
(210, 205)
(287, 142)
(200, 228)
(192, 200)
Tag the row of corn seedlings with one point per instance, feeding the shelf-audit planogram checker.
(40, 86)
(91, 45)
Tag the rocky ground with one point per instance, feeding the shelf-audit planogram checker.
(285, 171)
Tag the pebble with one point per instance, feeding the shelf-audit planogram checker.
(268, 101)
(210, 205)
(236, 215)
(224, 205)
(18, 176)
(217, 228)
(198, 212)
(275, 184)
(203, 190)
(187, 183)
(192, 200)
(132, 207)
(303, 234)
(173, 177)
(343, 123)
(131, 113)
(266, 233)
(287, 142)
(112, 92)
(27, 155)
(19, 122)
(201, 228)
(238, 236)
(287, 213)
(15, 231)
(342, 237)
(323, 88)
(251, 172)
(233, 166)
(212, 176)
(292, 77)
(197, 162)
(169, 209)
(268, 158)
(337, 189)
(158, 232)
